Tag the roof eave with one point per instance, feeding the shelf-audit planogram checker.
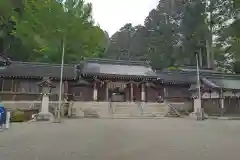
(119, 76)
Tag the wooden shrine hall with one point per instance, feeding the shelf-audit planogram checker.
(117, 80)
(102, 79)
(91, 80)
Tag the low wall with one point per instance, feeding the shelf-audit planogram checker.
(11, 105)
(104, 109)
(182, 106)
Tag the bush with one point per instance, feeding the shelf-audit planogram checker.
(18, 116)
(172, 68)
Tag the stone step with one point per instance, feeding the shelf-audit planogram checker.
(122, 109)
(146, 110)
(135, 116)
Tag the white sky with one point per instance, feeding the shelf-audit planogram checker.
(111, 15)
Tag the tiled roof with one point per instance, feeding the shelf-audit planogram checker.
(38, 70)
(224, 83)
(190, 77)
(118, 67)
(177, 77)
(218, 83)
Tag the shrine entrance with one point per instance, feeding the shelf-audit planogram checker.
(118, 95)
(117, 91)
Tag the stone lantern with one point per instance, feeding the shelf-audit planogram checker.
(45, 87)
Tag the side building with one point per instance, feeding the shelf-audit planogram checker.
(19, 81)
(220, 92)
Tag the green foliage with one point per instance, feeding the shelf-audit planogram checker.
(45, 27)
(171, 35)
(5, 11)
(172, 68)
(18, 116)
(228, 40)
(5, 26)
(194, 30)
(176, 30)
(156, 41)
(236, 67)
(120, 43)
(236, 4)
(8, 43)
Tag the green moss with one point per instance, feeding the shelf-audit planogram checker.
(18, 116)
(172, 68)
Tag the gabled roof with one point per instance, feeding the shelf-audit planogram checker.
(222, 83)
(190, 77)
(38, 70)
(118, 68)
(176, 77)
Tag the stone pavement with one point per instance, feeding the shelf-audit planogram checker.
(122, 139)
(224, 118)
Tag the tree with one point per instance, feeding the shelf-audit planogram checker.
(227, 41)
(45, 27)
(162, 25)
(193, 31)
(139, 44)
(219, 13)
(6, 10)
(156, 41)
(120, 43)
(233, 38)
(9, 44)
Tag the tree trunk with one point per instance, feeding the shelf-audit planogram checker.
(1, 45)
(209, 41)
(209, 65)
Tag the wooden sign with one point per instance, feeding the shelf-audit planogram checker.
(113, 85)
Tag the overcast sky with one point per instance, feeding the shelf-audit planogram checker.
(111, 15)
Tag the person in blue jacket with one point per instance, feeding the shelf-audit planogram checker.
(2, 116)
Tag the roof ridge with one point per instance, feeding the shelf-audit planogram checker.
(114, 61)
(41, 63)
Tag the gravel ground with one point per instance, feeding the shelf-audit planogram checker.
(122, 139)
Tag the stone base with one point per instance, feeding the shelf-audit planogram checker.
(44, 116)
(197, 116)
(193, 115)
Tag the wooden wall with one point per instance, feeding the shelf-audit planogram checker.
(82, 93)
(19, 85)
(175, 91)
(25, 89)
(28, 89)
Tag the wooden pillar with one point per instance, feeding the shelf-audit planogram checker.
(165, 91)
(107, 92)
(143, 94)
(131, 92)
(126, 93)
(12, 86)
(65, 90)
(222, 102)
(2, 85)
(95, 92)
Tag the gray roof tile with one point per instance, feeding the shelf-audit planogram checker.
(177, 77)
(226, 83)
(218, 83)
(117, 67)
(32, 69)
